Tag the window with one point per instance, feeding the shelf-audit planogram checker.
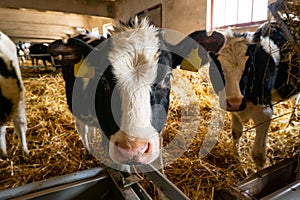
(106, 28)
(154, 13)
(226, 13)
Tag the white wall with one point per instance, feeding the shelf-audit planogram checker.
(184, 16)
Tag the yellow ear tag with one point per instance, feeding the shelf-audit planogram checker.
(83, 70)
(192, 62)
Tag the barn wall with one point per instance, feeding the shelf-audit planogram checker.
(184, 16)
(97, 22)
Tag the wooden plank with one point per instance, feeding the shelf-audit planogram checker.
(31, 39)
(23, 24)
(48, 18)
(26, 27)
(86, 7)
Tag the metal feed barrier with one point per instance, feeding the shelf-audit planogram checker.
(53, 66)
(96, 183)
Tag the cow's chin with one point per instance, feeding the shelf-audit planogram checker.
(124, 149)
(229, 109)
(233, 110)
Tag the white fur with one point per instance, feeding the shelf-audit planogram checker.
(85, 131)
(233, 59)
(261, 115)
(134, 57)
(15, 93)
(271, 48)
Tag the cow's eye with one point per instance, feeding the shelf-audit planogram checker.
(105, 84)
(168, 78)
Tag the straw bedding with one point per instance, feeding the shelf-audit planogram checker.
(55, 147)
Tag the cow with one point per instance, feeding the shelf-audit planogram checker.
(251, 73)
(38, 51)
(92, 40)
(132, 71)
(12, 91)
(20, 54)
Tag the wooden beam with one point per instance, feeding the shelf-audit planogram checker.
(25, 39)
(29, 27)
(86, 7)
(37, 17)
(21, 23)
(38, 36)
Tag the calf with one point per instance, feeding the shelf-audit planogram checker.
(83, 125)
(253, 73)
(12, 91)
(38, 51)
(124, 87)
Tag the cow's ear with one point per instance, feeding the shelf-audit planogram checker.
(192, 52)
(79, 44)
(211, 43)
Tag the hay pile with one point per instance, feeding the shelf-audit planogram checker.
(222, 167)
(55, 148)
(287, 14)
(290, 10)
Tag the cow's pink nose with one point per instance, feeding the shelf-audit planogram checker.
(132, 149)
(233, 104)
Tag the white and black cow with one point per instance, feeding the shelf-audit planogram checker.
(38, 51)
(255, 73)
(71, 56)
(12, 91)
(131, 71)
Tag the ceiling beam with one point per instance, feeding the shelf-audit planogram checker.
(37, 36)
(86, 7)
(23, 23)
(30, 40)
(29, 27)
(36, 17)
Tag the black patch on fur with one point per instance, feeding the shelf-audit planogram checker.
(5, 109)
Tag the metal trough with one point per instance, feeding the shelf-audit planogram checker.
(265, 183)
(88, 184)
(96, 183)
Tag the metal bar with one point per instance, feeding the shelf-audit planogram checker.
(266, 181)
(140, 192)
(118, 179)
(42, 55)
(262, 183)
(164, 184)
(274, 7)
(63, 188)
(291, 191)
(50, 183)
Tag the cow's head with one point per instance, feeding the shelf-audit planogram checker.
(132, 94)
(228, 50)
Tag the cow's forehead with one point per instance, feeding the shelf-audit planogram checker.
(134, 53)
(134, 56)
(233, 54)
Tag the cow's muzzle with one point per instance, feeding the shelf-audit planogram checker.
(125, 150)
(233, 104)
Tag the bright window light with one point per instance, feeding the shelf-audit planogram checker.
(237, 12)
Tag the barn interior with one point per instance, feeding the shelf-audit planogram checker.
(55, 146)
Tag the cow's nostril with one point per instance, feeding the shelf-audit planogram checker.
(133, 148)
(228, 104)
(234, 104)
(148, 148)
